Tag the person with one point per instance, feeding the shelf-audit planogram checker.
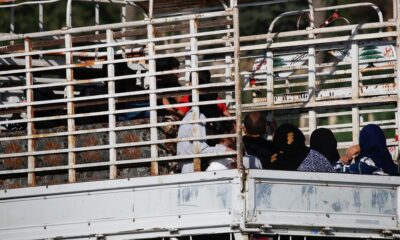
(293, 154)
(323, 141)
(373, 157)
(217, 128)
(204, 78)
(186, 131)
(255, 126)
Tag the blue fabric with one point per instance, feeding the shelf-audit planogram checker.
(373, 146)
(364, 166)
(315, 162)
(135, 115)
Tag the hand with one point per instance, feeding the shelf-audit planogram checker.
(274, 157)
(352, 151)
(345, 159)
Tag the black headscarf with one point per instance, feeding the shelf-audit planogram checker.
(289, 143)
(373, 145)
(323, 141)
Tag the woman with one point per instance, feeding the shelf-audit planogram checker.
(374, 157)
(293, 154)
(323, 141)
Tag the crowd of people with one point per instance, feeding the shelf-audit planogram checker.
(288, 150)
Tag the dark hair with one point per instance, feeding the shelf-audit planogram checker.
(217, 128)
(167, 81)
(169, 63)
(204, 77)
(255, 123)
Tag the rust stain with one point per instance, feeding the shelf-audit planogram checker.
(52, 159)
(86, 63)
(90, 156)
(131, 152)
(15, 162)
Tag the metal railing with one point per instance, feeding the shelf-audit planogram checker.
(283, 75)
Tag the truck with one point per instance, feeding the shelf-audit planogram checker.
(88, 146)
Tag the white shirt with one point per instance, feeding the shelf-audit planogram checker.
(186, 147)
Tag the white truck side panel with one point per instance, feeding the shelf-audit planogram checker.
(165, 204)
(320, 200)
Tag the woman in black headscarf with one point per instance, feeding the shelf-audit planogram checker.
(323, 141)
(374, 157)
(293, 154)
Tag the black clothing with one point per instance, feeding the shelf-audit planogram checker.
(323, 141)
(260, 148)
(289, 143)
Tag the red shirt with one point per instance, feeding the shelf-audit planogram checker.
(185, 99)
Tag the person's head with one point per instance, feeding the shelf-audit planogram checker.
(165, 64)
(323, 141)
(204, 77)
(288, 137)
(372, 143)
(289, 143)
(255, 124)
(167, 81)
(219, 128)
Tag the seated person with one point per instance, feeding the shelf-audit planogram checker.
(216, 128)
(186, 131)
(323, 141)
(373, 157)
(204, 78)
(255, 126)
(293, 154)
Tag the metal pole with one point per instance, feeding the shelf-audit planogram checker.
(312, 120)
(69, 14)
(123, 20)
(238, 84)
(398, 68)
(228, 62)
(270, 75)
(152, 96)
(355, 87)
(70, 110)
(41, 21)
(30, 113)
(96, 22)
(111, 107)
(194, 58)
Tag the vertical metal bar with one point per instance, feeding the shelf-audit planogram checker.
(68, 19)
(70, 109)
(270, 76)
(152, 96)
(228, 62)
(96, 22)
(312, 120)
(41, 23)
(12, 20)
(111, 107)
(187, 67)
(123, 20)
(194, 61)
(97, 15)
(398, 69)
(355, 88)
(29, 112)
(238, 83)
(41, 20)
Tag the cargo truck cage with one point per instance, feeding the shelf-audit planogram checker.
(66, 93)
